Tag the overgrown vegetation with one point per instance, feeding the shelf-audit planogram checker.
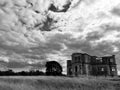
(57, 83)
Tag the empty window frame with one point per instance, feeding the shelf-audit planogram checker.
(102, 69)
(113, 69)
(111, 60)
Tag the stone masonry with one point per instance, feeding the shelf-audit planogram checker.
(84, 64)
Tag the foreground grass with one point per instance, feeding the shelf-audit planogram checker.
(57, 83)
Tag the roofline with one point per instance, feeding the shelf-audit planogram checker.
(91, 55)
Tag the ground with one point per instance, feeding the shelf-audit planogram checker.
(58, 83)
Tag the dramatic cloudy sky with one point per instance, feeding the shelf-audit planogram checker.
(35, 31)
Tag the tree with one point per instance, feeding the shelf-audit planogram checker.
(53, 68)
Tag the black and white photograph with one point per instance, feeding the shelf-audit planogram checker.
(59, 44)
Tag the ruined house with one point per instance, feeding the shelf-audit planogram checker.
(84, 64)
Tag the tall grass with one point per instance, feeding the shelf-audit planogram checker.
(57, 83)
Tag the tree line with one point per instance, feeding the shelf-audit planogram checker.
(53, 68)
(21, 73)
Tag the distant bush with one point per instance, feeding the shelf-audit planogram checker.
(53, 68)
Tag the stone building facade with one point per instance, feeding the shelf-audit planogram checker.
(84, 64)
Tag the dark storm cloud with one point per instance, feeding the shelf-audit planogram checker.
(16, 49)
(54, 43)
(104, 48)
(116, 11)
(72, 44)
(101, 49)
(13, 64)
(61, 38)
(85, 45)
(16, 64)
(55, 9)
(79, 46)
(110, 27)
(49, 24)
(94, 36)
(82, 45)
(31, 56)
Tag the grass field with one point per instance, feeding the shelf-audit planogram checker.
(57, 83)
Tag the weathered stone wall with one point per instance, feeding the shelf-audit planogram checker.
(84, 64)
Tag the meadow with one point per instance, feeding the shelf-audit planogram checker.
(58, 83)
